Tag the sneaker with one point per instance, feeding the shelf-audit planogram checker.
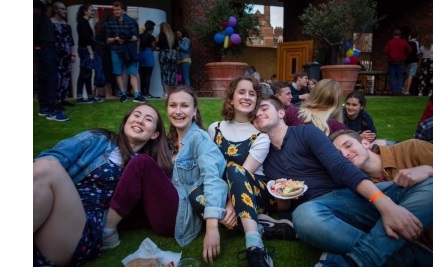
(257, 257)
(139, 99)
(83, 101)
(331, 260)
(277, 229)
(42, 112)
(123, 98)
(57, 116)
(110, 240)
(419, 94)
(96, 99)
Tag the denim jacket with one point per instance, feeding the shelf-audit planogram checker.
(81, 154)
(199, 162)
(184, 48)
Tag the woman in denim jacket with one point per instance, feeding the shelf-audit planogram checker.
(197, 186)
(74, 181)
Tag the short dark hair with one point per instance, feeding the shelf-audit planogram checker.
(348, 132)
(149, 25)
(299, 74)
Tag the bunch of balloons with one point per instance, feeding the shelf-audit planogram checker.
(351, 54)
(228, 37)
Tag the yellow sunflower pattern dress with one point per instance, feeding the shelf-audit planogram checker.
(248, 191)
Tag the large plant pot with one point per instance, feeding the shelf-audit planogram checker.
(222, 73)
(346, 75)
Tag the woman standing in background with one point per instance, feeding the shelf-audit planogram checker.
(184, 55)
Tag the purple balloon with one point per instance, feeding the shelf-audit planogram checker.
(232, 21)
(229, 31)
(346, 60)
(235, 39)
(219, 38)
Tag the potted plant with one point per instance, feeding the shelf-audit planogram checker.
(336, 25)
(224, 27)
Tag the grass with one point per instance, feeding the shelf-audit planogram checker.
(395, 119)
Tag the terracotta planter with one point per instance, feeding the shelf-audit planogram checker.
(222, 73)
(346, 75)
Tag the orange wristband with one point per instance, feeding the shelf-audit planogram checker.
(375, 196)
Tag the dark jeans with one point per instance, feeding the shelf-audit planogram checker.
(145, 76)
(85, 76)
(395, 70)
(47, 79)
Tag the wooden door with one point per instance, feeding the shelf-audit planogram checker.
(291, 56)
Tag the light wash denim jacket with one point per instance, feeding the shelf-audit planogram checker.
(185, 48)
(81, 154)
(199, 162)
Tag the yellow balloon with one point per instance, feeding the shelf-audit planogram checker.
(349, 53)
(226, 42)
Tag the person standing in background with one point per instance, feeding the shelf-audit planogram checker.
(86, 43)
(184, 54)
(146, 61)
(397, 50)
(44, 40)
(426, 77)
(168, 46)
(411, 62)
(65, 51)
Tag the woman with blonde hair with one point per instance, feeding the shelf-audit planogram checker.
(322, 108)
(168, 47)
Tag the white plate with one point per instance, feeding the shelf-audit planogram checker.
(272, 182)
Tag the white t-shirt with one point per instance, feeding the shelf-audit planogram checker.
(235, 132)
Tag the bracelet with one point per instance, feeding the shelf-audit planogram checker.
(376, 196)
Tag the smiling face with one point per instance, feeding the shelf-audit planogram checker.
(310, 85)
(140, 126)
(285, 96)
(181, 110)
(353, 107)
(354, 151)
(267, 116)
(244, 100)
(90, 12)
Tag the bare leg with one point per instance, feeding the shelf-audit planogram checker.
(121, 82)
(108, 91)
(134, 82)
(58, 214)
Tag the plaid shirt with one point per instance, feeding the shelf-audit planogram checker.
(128, 27)
(424, 130)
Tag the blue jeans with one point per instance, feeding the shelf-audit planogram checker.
(185, 73)
(395, 71)
(48, 79)
(343, 222)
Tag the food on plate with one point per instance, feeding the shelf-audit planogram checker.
(149, 262)
(287, 187)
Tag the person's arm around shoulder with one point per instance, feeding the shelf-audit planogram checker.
(397, 220)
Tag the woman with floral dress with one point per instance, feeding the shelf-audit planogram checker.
(74, 182)
(245, 148)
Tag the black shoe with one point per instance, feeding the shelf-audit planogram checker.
(277, 229)
(140, 99)
(67, 103)
(257, 257)
(123, 98)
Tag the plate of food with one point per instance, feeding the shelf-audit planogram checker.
(286, 189)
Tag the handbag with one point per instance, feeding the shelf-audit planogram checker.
(130, 53)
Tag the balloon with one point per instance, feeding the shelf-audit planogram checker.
(349, 53)
(354, 60)
(346, 45)
(218, 38)
(346, 60)
(229, 31)
(232, 21)
(236, 39)
(226, 42)
(356, 52)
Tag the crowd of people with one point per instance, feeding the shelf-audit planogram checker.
(371, 198)
(113, 56)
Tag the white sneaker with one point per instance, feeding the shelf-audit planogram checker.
(110, 240)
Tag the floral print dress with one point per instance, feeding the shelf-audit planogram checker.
(248, 192)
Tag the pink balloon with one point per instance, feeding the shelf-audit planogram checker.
(235, 39)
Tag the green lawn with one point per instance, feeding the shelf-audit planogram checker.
(395, 119)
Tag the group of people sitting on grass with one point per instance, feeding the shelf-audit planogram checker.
(364, 206)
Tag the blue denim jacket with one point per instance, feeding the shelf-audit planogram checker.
(81, 154)
(199, 162)
(184, 48)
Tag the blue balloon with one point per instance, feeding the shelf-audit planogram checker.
(346, 45)
(229, 31)
(356, 52)
(219, 38)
